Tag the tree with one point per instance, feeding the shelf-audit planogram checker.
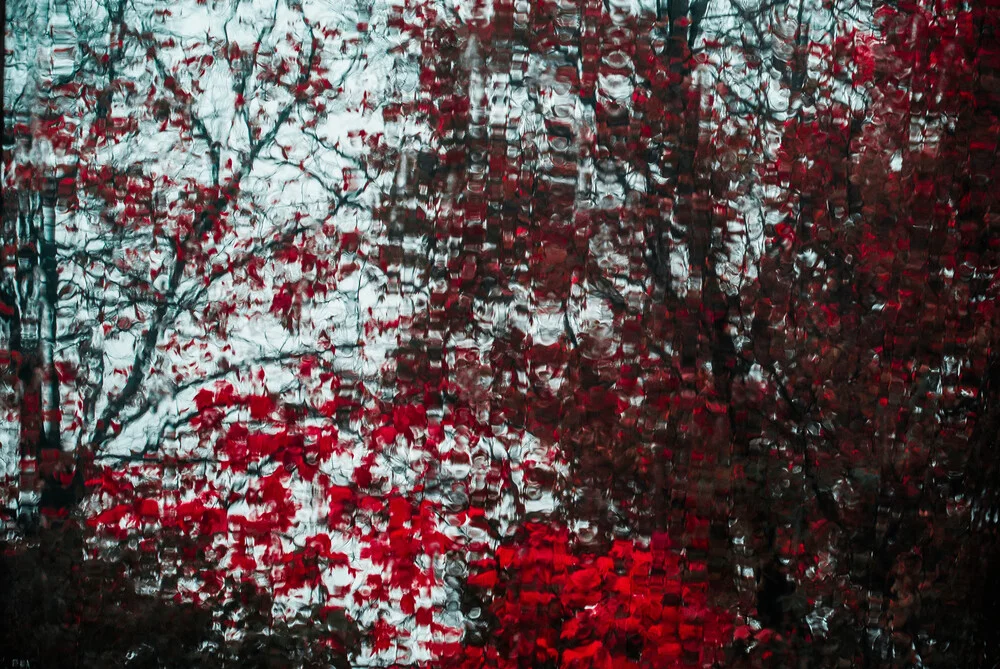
(737, 394)
(167, 236)
(541, 197)
(29, 290)
(197, 233)
(872, 317)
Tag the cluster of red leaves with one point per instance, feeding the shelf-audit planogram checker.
(638, 604)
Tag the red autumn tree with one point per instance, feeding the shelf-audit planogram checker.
(872, 321)
(534, 227)
(619, 352)
(179, 192)
(165, 228)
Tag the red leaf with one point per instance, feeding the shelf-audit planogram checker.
(584, 653)
(149, 508)
(425, 617)
(399, 512)
(204, 399)
(382, 635)
(487, 579)
(385, 434)
(261, 406)
(111, 516)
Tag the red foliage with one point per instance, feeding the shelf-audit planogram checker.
(635, 605)
(678, 376)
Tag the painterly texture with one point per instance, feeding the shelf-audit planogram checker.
(501, 333)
